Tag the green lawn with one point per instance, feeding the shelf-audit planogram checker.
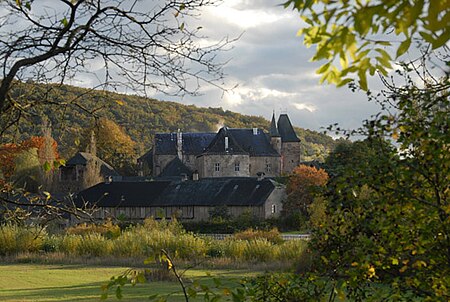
(34, 282)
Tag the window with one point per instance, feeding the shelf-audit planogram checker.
(268, 167)
(274, 209)
(217, 167)
(236, 167)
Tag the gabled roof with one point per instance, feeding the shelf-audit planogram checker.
(242, 141)
(217, 145)
(230, 191)
(273, 131)
(147, 158)
(81, 158)
(121, 194)
(286, 130)
(176, 168)
(193, 143)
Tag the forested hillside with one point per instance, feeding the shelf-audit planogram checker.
(140, 117)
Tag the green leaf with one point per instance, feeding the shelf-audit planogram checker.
(362, 79)
(65, 22)
(47, 166)
(182, 26)
(404, 46)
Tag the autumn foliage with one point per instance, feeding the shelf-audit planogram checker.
(9, 152)
(302, 185)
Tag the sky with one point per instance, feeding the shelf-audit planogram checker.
(271, 69)
(268, 66)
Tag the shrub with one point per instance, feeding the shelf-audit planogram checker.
(107, 229)
(273, 235)
(129, 244)
(260, 250)
(16, 239)
(292, 250)
(94, 245)
(52, 243)
(70, 243)
(233, 248)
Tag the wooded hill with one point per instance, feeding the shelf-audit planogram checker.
(72, 110)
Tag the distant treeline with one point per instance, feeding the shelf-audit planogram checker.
(72, 109)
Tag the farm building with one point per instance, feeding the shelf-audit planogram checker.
(185, 199)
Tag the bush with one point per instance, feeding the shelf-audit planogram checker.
(260, 250)
(16, 239)
(273, 235)
(107, 229)
(129, 244)
(94, 245)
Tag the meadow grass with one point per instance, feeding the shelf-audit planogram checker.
(37, 282)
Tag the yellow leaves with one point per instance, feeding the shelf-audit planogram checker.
(120, 102)
(395, 135)
(395, 261)
(371, 272)
(419, 264)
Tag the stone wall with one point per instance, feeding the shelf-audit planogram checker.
(274, 203)
(270, 165)
(290, 152)
(160, 162)
(227, 165)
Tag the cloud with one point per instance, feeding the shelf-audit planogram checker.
(308, 107)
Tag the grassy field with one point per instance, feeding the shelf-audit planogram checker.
(35, 282)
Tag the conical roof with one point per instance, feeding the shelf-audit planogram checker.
(286, 130)
(273, 131)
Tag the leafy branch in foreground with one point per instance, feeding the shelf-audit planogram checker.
(360, 37)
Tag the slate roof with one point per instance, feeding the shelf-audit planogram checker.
(193, 143)
(286, 130)
(241, 141)
(273, 131)
(176, 168)
(121, 194)
(147, 158)
(230, 191)
(81, 158)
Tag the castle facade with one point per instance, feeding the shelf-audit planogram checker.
(230, 152)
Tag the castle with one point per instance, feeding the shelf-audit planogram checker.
(230, 152)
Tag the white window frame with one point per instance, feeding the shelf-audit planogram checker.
(217, 167)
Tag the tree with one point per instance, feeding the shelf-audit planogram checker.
(114, 145)
(141, 46)
(92, 174)
(363, 35)
(301, 189)
(389, 221)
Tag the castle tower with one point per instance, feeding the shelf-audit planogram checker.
(275, 138)
(290, 144)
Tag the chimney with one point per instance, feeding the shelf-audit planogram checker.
(226, 143)
(180, 144)
(195, 175)
(255, 131)
(260, 175)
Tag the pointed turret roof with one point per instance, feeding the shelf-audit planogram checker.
(273, 131)
(286, 130)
